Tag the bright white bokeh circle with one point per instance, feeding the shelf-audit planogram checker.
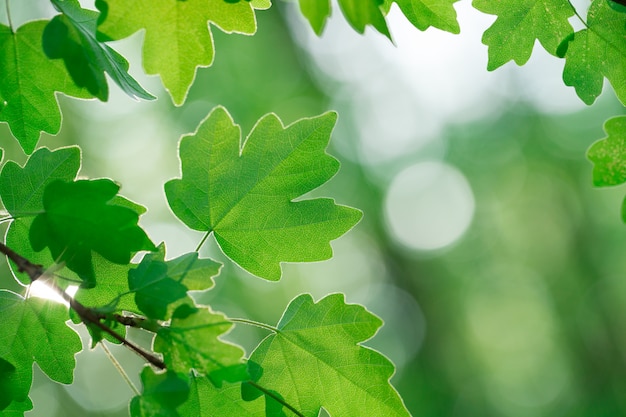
(428, 206)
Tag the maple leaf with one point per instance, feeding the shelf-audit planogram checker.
(177, 36)
(425, 13)
(34, 330)
(520, 23)
(82, 216)
(609, 154)
(191, 341)
(315, 360)
(72, 37)
(28, 84)
(162, 394)
(596, 52)
(244, 195)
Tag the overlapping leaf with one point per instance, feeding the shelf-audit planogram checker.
(162, 394)
(28, 84)
(84, 216)
(17, 408)
(177, 37)
(425, 13)
(245, 196)
(520, 23)
(72, 37)
(206, 400)
(597, 52)
(191, 341)
(34, 330)
(315, 360)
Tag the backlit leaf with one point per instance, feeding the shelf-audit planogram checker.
(206, 400)
(245, 194)
(315, 360)
(425, 13)
(609, 154)
(162, 394)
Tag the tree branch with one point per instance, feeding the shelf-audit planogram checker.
(86, 314)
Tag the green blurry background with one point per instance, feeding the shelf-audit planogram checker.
(498, 269)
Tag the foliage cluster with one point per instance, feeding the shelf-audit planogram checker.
(246, 192)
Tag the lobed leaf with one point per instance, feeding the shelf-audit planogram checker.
(71, 36)
(315, 360)
(162, 394)
(597, 52)
(34, 330)
(17, 408)
(608, 155)
(206, 400)
(520, 23)
(28, 84)
(177, 35)
(82, 216)
(245, 195)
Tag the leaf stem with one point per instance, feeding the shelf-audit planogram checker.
(276, 397)
(202, 241)
(255, 323)
(119, 368)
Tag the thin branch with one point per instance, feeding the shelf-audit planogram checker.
(578, 15)
(119, 368)
(87, 315)
(207, 234)
(8, 8)
(276, 397)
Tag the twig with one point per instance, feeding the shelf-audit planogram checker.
(87, 315)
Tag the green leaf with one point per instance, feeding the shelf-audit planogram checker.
(316, 12)
(34, 330)
(195, 273)
(21, 188)
(597, 52)
(28, 84)
(177, 36)
(206, 400)
(245, 195)
(609, 154)
(154, 289)
(17, 408)
(425, 13)
(162, 393)
(520, 23)
(72, 37)
(191, 341)
(315, 360)
(360, 13)
(79, 218)
(7, 379)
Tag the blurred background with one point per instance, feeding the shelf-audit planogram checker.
(497, 267)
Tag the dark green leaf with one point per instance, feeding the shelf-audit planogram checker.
(162, 394)
(79, 218)
(245, 196)
(71, 36)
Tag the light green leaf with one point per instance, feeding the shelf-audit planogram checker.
(21, 188)
(28, 84)
(206, 400)
(72, 37)
(191, 341)
(154, 289)
(245, 195)
(609, 154)
(425, 13)
(34, 330)
(193, 272)
(17, 408)
(520, 23)
(597, 52)
(316, 12)
(360, 13)
(177, 35)
(162, 393)
(79, 218)
(315, 360)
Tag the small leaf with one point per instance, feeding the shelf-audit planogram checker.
(598, 52)
(316, 12)
(28, 84)
(245, 196)
(520, 23)
(206, 400)
(17, 408)
(360, 13)
(195, 273)
(178, 38)
(609, 154)
(34, 330)
(425, 13)
(72, 37)
(315, 360)
(79, 218)
(191, 341)
(162, 394)
(154, 289)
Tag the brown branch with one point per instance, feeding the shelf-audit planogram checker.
(86, 314)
